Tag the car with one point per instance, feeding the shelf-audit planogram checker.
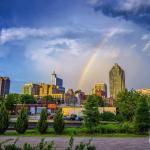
(73, 117)
(78, 118)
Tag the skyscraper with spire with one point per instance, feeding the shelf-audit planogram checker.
(57, 81)
(116, 80)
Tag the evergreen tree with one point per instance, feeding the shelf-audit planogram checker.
(59, 123)
(91, 113)
(142, 117)
(4, 118)
(22, 121)
(42, 123)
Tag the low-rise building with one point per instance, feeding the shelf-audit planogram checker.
(100, 89)
(145, 91)
(68, 110)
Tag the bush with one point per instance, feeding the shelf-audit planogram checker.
(109, 128)
(4, 118)
(87, 146)
(59, 123)
(27, 146)
(107, 116)
(127, 128)
(22, 121)
(42, 123)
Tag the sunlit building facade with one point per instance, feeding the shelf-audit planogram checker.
(100, 89)
(31, 89)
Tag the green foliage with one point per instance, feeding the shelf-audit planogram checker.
(86, 146)
(41, 146)
(91, 113)
(101, 102)
(127, 127)
(59, 123)
(11, 100)
(22, 121)
(49, 99)
(42, 123)
(107, 116)
(127, 102)
(11, 147)
(44, 145)
(28, 99)
(27, 146)
(4, 118)
(142, 117)
(70, 146)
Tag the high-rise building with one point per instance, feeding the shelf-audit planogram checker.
(116, 80)
(57, 81)
(100, 89)
(31, 89)
(4, 86)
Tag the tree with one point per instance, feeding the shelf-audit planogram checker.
(28, 99)
(142, 117)
(4, 118)
(127, 102)
(22, 121)
(49, 99)
(101, 102)
(59, 123)
(42, 123)
(11, 100)
(91, 113)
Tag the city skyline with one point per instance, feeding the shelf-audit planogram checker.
(81, 43)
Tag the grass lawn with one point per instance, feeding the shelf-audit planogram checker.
(76, 132)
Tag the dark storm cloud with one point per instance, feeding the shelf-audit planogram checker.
(137, 11)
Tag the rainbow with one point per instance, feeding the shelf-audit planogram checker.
(92, 60)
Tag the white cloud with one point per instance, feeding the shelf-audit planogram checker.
(10, 34)
(145, 37)
(146, 47)
(129, 5)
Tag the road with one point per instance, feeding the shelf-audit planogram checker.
(100, 143)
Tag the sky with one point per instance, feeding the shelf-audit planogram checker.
(79, 39)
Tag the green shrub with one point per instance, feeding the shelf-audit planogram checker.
(106, 129)
(45, 146)
(59, 123)
(107, 116)
(42, 123)
(11, 147)
(85, 146)
(127, 127)
(22, 121)
(27, 146)
(4, 118)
